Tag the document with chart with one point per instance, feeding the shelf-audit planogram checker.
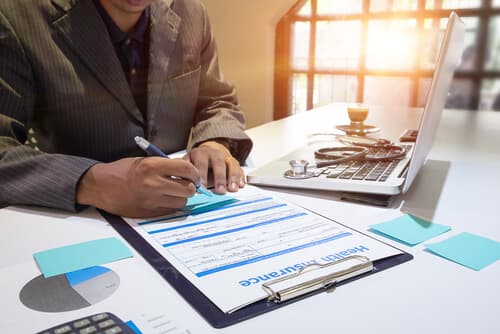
(229, 252)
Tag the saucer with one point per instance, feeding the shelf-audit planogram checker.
(358, 130)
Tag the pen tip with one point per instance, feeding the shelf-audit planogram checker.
(137, 139)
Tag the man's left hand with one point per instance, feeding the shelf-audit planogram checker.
(227, 172)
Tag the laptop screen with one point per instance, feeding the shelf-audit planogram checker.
(448, 57)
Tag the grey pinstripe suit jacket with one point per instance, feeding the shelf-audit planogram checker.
(60, 76)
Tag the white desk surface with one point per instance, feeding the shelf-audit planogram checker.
(457, 187)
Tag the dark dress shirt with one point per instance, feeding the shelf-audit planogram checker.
(132, 51)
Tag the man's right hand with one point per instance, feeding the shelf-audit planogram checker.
(138, 187)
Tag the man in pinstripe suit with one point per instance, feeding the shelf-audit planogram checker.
(88, 76)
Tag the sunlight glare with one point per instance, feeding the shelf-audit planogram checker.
(391, 45)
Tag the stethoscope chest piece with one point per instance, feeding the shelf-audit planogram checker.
(299, 170)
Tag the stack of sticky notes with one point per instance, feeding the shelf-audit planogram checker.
(201, 203)
(467, 249)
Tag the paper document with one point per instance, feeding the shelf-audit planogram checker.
(156, 307)
(229, 252)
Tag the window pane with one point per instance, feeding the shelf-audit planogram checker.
(493, 52)
(452, 4)
(299, 93)
(388, 5)
(334, 88)
(468, 59)
(431, 41)
(433, 36)
(460, 94)
(337, 44)
(305, 10)
(326, 7)
(387, 91)
(391, 44)
(490, 95)
(471, 28)
(300, 45)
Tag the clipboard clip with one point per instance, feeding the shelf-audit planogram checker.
(316, 276)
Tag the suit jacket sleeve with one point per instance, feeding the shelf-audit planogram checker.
(219, 115)
(28, 176)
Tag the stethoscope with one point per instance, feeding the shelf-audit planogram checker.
(357, 149)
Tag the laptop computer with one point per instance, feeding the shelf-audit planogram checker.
(402, 171)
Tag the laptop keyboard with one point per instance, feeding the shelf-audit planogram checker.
(365, 170)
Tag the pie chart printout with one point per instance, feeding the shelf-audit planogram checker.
(70, 291)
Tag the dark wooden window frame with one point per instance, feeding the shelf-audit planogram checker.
(283, 72)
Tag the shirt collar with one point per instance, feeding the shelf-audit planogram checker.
(116, 34)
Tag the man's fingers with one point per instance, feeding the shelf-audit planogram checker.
(139, 187)
(201, 160)
(179, 168)
(236, 177)
(226, 170)
(175, 187)
(219, 171)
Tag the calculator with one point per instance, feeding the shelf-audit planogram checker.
(100, 323)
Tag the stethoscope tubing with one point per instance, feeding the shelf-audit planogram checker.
(331, 156)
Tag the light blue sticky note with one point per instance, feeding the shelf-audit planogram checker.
(468, 249)
(202, 203)
(409, 229)
(66, 259)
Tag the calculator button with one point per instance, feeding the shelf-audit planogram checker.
(62, 330)
(106, 324)
(100, 323)
(81, 323)
(88, 330)
(99, 317)
(114, 330)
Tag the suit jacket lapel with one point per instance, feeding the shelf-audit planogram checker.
(85, 32)
(164, 31)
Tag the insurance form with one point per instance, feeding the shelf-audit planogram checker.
(229, 252)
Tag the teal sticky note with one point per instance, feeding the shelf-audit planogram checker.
(69, 258)
(409, 229)
(202, 203)
(468, 249)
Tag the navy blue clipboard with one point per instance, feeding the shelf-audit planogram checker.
(208, 310)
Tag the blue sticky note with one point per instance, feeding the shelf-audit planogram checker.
(66, 259)
(202, 203)
(79, 276)
(468, 249)
(409, 229)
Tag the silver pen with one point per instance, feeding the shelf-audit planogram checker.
(153, 150)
